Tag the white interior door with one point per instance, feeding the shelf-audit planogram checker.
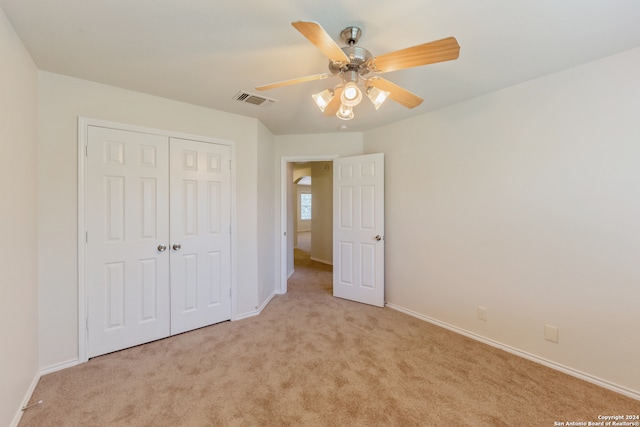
(358, 228)
(127, 267)
(200, 234)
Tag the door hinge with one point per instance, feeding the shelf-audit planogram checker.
(86, 150)
(86, 237)
(229, 164)
(87, 323)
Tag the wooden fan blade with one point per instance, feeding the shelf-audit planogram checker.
(423, 54)
(396, 93)
(293, 81)
(334, 104)
(323, 41)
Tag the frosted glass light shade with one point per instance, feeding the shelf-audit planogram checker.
(351, 95)
(345, 112)
(323, 98)
(377, 96)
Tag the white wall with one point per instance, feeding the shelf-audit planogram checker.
(301, 148)
(322, 212)
(525, 201)
(300, 170)
(266, 219)
(61, 100)
(18, 224)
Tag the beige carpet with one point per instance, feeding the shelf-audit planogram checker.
(313, 360)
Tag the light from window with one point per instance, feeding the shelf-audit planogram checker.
(305, 206)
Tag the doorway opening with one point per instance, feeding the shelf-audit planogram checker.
(313, 210)
(307, 212)
(357, 241)
(303, 209)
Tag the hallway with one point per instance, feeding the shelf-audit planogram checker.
(309, 275)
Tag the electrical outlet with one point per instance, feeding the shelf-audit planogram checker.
(482, 313)
(551, 333)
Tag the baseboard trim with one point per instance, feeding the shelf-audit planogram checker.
(245, 315)
(324, 261)
(267, 301)
(59, 366)
(526, 355)
(258, 310)
(25, 401)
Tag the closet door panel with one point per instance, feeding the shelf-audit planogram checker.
(199, 234)
(127, 206)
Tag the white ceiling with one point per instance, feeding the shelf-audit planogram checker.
(204, 52)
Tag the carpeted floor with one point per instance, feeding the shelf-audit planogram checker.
(314, 360)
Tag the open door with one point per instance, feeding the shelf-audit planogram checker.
(358, 228)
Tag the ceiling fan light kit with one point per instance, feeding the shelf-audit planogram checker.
(351, 95)
(356, 66)
(345, 112)
(377, 96)
(323, 98)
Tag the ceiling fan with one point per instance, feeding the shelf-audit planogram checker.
(359, 69)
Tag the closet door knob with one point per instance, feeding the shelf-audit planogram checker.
(162, 248)
(177, 247)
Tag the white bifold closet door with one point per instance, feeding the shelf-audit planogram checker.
(200, 235)
(158, 237)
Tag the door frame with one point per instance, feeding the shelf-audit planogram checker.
(83, 126)
(284, 203)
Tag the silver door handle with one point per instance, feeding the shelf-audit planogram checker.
(177, 247)
(162, 248)
(378, 237)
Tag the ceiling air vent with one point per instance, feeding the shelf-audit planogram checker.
(251, 98)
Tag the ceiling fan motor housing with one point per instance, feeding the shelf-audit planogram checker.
(358, 57)
(351, 35)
